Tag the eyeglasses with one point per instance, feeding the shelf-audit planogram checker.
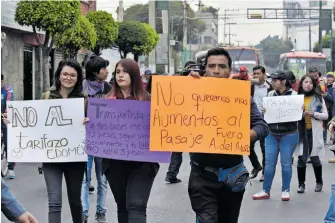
(71, 76)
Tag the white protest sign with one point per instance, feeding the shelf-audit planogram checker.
(283, 108)
(46, 131)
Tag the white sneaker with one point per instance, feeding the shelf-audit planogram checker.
(11, 175)
(285, 195)
(261, 195)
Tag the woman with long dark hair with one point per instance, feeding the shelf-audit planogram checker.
(68, 84)
(311, 131)
(130, 181)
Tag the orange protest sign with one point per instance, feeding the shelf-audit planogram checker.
(206, 115)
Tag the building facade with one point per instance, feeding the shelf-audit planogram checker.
(298, 30)
(210, 37)
(20, 53)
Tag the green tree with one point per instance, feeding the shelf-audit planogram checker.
(272, 47)
(140, 13)
(326, 43)
(81, 35)
(52, 17)
(132, 38)
(211, 9)
(106, 29)
(152, 39)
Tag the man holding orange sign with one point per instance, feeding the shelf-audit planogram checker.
(211, 118)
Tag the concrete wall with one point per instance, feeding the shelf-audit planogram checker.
(12, 63)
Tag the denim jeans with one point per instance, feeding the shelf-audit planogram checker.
(53, 175)
(330, 216)
(285, 145)
(131, 184)
(101, 188)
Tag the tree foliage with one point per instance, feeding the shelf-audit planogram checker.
(326, 43)
(132, 38)
(152, 39)
(106, 29)
(140, 13)
(272, 47)
(51, 16)
(81, 35)
(211, 9)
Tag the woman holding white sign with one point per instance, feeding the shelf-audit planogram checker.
(283, 139)
(130, 181)
(68, 84)
(311, 141)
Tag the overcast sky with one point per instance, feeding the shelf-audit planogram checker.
(246, 30)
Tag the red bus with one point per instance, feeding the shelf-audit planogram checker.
(300, 62)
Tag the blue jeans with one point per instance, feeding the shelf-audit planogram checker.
(285, 145)
(102, 186)
(330, 216)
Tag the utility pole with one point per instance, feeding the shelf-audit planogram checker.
(185, 30)
(230, 34)
(199, 5)
(310, 37)
(152, 22)
(238, 42)
(120, 11)
(225, 18)
(320, 31)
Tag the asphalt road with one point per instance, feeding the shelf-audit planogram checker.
(170, 203)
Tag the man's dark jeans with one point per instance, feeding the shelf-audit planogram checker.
(253, 156)
(175, 163)
(131, 184)
(211, 200)
(4, 134)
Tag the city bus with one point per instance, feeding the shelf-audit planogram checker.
(241, 56)
(300, 62)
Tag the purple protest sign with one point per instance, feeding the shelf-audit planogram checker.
(120, 129)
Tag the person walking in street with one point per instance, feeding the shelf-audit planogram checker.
(177, 157)
(130, 181)
(95, 86)
(68, 84)
(283, 139)
(12, 208)
(329, 103)
(311, 132)
(330, 215)
(212, 200)
(7, 94)
(259, 89)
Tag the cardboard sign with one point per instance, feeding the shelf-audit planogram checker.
(206, 115)
(46, 131)
(283, 108)
(120, 129)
